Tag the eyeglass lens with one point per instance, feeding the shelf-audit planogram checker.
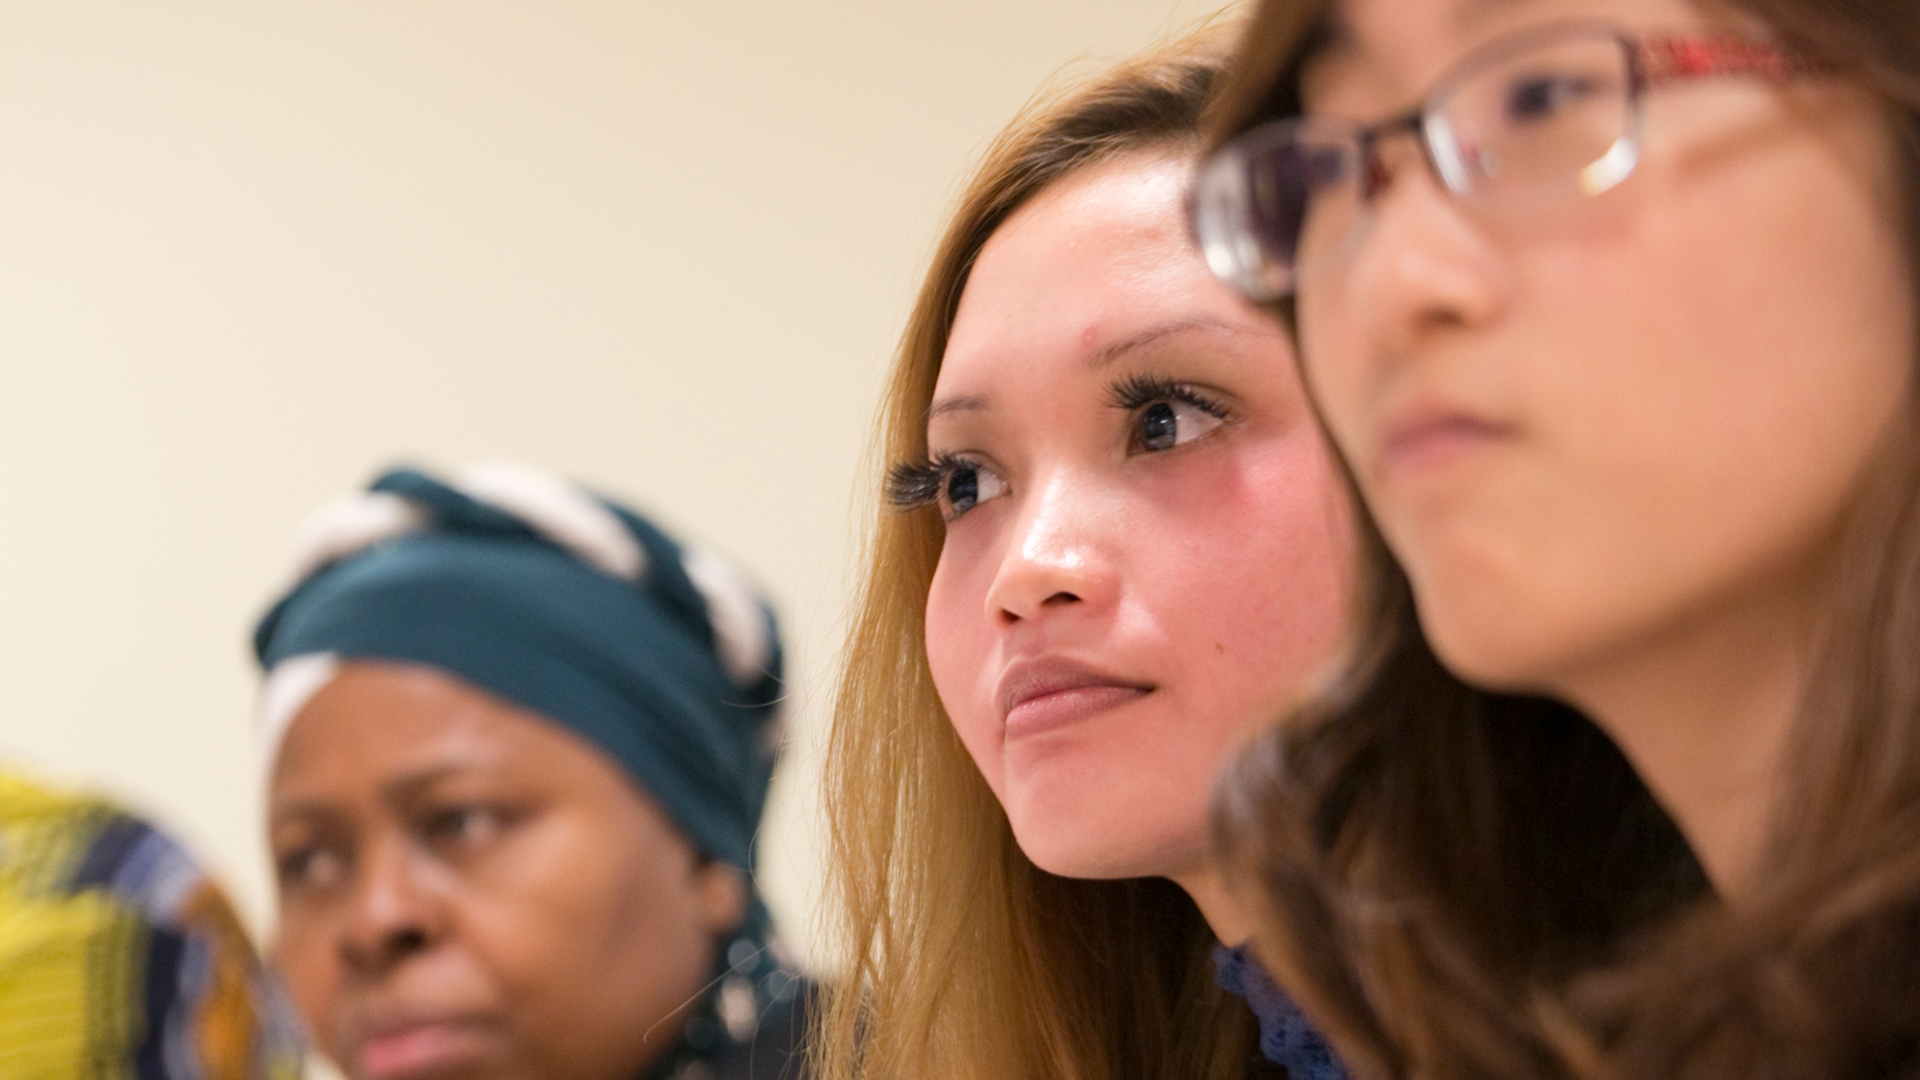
(1549, 116)
(1536, 121)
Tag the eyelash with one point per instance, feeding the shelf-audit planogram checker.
(912, 485)
(1136, 392)
(915, 484)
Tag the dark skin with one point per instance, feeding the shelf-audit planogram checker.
(469, 890)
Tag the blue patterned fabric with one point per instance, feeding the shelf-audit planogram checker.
(120, 958)
(1287, 1038)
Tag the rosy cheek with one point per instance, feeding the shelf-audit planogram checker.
(1275, 573)
(958, 643)
(942, 627)
(1335, 377)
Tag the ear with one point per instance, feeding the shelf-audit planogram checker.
(720, 892)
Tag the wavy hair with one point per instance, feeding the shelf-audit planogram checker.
(1456, 882)
(964, 961)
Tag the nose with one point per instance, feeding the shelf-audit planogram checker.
(393, 911)
(1060, 554)
(1422, 265)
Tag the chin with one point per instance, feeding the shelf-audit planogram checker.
(1491, 653)
(1072, 862)
(1100, 848)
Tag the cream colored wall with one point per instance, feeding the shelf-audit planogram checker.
(251, 251)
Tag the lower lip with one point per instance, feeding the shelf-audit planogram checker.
(1064, 707)
(412, 1050)
(1436, 445)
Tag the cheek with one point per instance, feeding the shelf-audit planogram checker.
(591, 935)
(570, 896)
(1769, 387)
(1706, 366)
(953, 607)
(310, 970)
(592, 947)
(1253, 591)
(1336, 379)
(960, 642)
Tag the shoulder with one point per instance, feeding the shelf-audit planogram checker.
(126, 949)
(778, 1048)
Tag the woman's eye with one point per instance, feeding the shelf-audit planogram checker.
(310, 868)
(966, 484)
(1323, 168)
(1163, 414)
(464, 827)
(1540, 98)
(1169, 422)
(953, 483)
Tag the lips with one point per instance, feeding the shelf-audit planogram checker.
(1430, 434)
(1041, 695)
(401, 1047)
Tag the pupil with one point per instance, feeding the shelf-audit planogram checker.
(1158, 427)
(1322, 167)
(963, 489)
(1534, 98)
(1541, 97)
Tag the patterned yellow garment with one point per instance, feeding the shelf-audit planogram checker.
(119, 958)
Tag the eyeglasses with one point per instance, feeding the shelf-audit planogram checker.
(1552, 112)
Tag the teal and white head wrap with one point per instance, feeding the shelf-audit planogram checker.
(660, 655)
(572, 606)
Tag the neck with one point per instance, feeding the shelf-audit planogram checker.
(1704, 714)
(1230, 921)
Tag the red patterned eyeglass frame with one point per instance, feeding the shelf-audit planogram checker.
(1655, 60)
(1652, 60)
(1660, 59)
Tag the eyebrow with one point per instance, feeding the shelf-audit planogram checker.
(1152, 334)
(410, 786)
(401, 789)
(963, 403)
(1336, 36)
(1472, 11)
(1101, 359)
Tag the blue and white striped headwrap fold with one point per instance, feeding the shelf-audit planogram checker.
(566, 604)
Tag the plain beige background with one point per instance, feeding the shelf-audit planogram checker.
(250, 252)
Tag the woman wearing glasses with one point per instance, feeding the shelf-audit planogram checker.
(1608, 308)
(1114, 550)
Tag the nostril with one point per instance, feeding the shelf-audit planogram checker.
(381, 951)
(1378, 177)
(1008, 616)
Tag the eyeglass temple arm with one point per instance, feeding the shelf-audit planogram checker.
(1667, 59)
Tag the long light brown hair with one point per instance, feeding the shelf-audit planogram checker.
(1463, 883)
(962, 959)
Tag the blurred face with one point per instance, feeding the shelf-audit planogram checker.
(466, 890)
(1585, 427)
(1144, 554)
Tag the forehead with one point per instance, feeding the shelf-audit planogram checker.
(1106, 224)
(374, 723)
(1087, 262)
(1395, 49)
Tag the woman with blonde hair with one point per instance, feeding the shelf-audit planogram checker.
(1609, 309)
(1111, 554)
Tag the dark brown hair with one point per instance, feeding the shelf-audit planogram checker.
(962, 960)
(1458, 883)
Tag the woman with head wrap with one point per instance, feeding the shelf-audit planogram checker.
(519, 741)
